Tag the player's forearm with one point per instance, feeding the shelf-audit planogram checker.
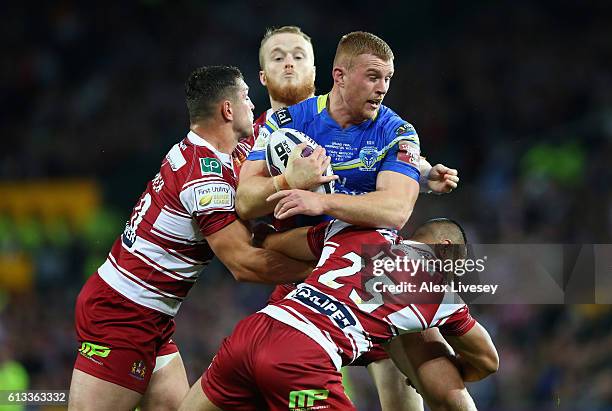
(268, 267)
(292, 243)
(376, 209)
(475, 353)
(251, 197)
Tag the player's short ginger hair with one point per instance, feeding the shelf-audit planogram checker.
(357, 43)
(274, 31)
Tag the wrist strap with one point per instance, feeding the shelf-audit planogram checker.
(280, 183)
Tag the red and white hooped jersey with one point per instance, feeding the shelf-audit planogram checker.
(338, 308)
(162, 250)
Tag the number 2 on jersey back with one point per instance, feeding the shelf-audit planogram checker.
(129, 234)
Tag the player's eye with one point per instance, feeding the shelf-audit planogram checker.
(299, 56)
(373, 78)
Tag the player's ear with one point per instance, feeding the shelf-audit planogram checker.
(227, 110)
(444, 250)
(338, 75)
(262, 78)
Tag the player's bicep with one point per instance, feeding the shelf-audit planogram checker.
(399, 184)
(229, 242)
(292, 243)
(252, 168)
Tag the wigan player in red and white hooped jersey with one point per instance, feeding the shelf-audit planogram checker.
(124, 313)
(334, 317)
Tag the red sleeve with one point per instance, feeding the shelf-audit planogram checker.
(458, 323)
(213, 222)
(377, 353)
(316, 238)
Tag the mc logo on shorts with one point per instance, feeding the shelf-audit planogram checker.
(304, 399)
(89, 350)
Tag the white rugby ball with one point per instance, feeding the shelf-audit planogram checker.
(280, 145)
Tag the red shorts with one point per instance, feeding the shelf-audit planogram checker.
(266, 364)
(119, 339)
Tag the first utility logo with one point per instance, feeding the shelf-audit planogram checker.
(304, 400)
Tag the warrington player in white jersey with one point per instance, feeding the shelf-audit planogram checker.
(124, 313)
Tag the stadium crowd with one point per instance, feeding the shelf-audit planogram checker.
(503, 92)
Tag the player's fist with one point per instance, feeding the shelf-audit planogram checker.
(442, 179)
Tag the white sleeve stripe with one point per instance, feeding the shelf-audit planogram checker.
(208, 179)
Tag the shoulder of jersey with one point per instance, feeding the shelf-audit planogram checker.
(300, 111)
(191, 161)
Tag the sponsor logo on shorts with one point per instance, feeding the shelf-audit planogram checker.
(90, 350)
(210, 166)
(139, 369)
(304, 400)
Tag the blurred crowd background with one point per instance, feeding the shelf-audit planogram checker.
(516, 95)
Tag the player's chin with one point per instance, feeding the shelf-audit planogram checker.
(370, 113)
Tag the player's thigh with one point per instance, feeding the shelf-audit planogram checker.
(168, 386)
(436, 378)
(89, 393)
(196, 400)
(293, 371)
(393, 391)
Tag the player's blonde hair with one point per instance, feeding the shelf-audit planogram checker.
(273, 31)
(360, 42)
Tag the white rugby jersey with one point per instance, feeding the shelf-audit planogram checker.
(162, 250)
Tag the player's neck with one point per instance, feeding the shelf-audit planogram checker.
(220, 137)
(339, 110)
(277, 105)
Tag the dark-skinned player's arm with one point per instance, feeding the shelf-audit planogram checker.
(476, 355)
(232, 244)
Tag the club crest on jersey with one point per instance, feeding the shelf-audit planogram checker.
(368, 156)
(284, 117)
(139, 369)
(210, 166)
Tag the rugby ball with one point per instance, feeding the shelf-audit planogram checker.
(280, 145)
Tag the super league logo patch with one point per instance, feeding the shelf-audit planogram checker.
(284, 117)
(408, 153)
(404, 129)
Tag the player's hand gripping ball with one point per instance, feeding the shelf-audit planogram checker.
(280, 154)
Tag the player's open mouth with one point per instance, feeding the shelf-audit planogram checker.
(375, 103)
